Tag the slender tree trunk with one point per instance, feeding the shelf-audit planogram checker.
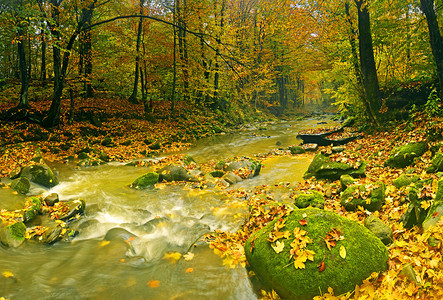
(23, 71)
(367, 61)
(435, 38)
(183, 47)
(352, 36)
(217, 65)
(174, 67)
(133, 97)
(29, 57)
(43, 66)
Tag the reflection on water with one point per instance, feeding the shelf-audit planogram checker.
(125, 233)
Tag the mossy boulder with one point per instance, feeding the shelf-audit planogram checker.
(40, 174)
(32, 207)
(357, 195)
(175, 173)
(231, 178)
(436, 210)
(21, 185)
(74, 208)
(379, 229)
(12, 235)
(147, 180)
(436, 164)
(365, 254)
(314, 199)
(322, 167)
(404, 156)
(415, 214)
(188, 160)
(405, 180)
(217, 173)
(346, 180)
(297, 150)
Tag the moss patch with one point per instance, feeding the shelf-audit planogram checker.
(404, 156)
(145, 181)
(323, 168)
(357, 195)
(314, 199)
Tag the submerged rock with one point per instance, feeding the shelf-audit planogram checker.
(357, 195)
(354, 255)
(147, 180)
(297, 150)
(322, 167)
(404, 156)
(40, 174)
(247, 167)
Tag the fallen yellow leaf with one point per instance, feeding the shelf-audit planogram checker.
(173, 257)
(342, 252)
(8, 274)
(188, 256)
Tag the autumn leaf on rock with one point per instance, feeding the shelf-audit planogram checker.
(303, 222)
(342, 252)
(321, 266)
(278, 247)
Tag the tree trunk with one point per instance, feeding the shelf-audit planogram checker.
(23, 71)
(43, 66)
(367, 61)
(352, 35)
(217, 65)
(435, 38)
(174, 64)
(133, 97)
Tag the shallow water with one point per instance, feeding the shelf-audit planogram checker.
(165, 220)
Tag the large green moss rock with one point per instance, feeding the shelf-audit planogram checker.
(415, 214)
(436, 164)
(345, 181)
(404, 156)
(357, 195)
(436, 210)
(365, 254)
(251, 165)
(40, 174)
(314, 199)
(405, 180)
(12, 235)
(21, 185)
(147, 180)
(297, 150)
(323, 168)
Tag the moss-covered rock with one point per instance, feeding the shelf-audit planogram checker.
(21, 185)
(365, 254)
(297, 150)
(436, 164)
(436, 210)
(32, 207)
(314, 199)
(12, 235)
(231, 178)
(346, 180)
(251, 165)
(357, 195)
(40, 174)
(405, 180)
(379, 229)
(322, 167)
(188, 160)
(217, 173)
(175, 173)
(404, 156)
(415, 214)
(147, 180)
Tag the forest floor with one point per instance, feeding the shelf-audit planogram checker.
(131, 137)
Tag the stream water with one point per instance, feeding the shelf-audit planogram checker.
(99, 264)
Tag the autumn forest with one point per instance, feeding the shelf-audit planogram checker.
(221, 149)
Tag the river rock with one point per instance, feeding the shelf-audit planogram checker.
(337, 149)
(33, 206)
(436, 163)
(404, 156)
(21, 185)
(297, 150)
(322, 167)
(51, 199)
(175, 173)
(147, 180)
(90, 162)
(357, 195)
(436, 209)
(364, 254)
(415, 214)
(232, 178)
(217, 173)
(40, 174)
(74, 207)
(12, 235)
(253, 167)
(379, 229)
(313, 198)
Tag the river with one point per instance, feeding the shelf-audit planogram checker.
(164, 220)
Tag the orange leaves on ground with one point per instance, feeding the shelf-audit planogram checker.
(153, 284)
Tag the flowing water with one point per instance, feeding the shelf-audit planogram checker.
(100, 264)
